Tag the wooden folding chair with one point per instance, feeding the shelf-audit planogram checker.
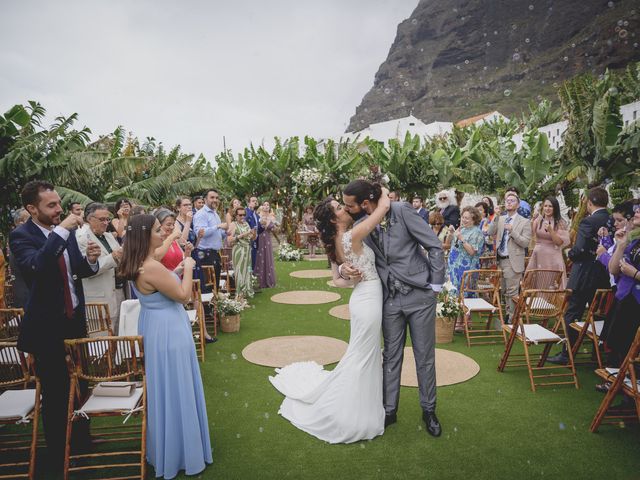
(122, 447)
(541, 279)
(19, 405)
(10, 320)
(530, 326)
(210, 314)
(227, 275)
(8, 292)
(624, 381)
(526, 261)
(488, 262)
(480, 302)
(593, 324)
(195, 310)
(98, 319)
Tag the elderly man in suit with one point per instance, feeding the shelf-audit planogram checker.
(587, 273)
(410, 263)
(512, 236)
(448, 205)
(47, 253)
(104, 286)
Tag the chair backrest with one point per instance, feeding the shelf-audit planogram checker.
(542, 305)
(483, 283)
(10, 320)
(106, 358)
(14, 370)
(488, 262)
(8, 292)
(209, 276)
(98, 318)
(601, 303)
(541, 279)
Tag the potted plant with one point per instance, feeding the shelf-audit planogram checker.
(289, 253)
(229, 311)
(447, 311)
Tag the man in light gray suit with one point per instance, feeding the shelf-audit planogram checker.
(410, 263)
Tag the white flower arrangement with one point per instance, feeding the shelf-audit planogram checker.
(309, 177)
(230, 306)
(289, 253)
(448, 305)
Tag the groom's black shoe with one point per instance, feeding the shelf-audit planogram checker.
(432, 423)
(390, 419)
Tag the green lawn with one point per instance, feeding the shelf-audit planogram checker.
(493, 425)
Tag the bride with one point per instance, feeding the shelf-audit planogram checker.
(344, 405)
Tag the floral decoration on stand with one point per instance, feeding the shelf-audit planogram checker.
(230, 306)
(289, 253)
(309, 177)
(448, 305)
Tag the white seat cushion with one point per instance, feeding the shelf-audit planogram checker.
(17, 404)
(207, 297)
(537, 333)
(478, 305)
(193, 316)
(599, 326)
(111, 404)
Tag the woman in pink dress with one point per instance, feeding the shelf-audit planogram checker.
(552, 235)
(265, 270)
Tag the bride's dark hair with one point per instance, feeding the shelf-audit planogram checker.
(363, 190)
(326, 219)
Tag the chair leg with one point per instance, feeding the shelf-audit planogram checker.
(525, 344)
(507, 350)
(67, 446)
(604, 406)
(34, 434)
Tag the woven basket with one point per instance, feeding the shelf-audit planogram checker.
(444, 329)
(230, 323)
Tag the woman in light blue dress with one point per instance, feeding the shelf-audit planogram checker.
(467, 243)
(177, 427)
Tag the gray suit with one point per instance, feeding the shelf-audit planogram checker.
(403, 258)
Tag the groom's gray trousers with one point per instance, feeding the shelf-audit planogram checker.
(417, 309)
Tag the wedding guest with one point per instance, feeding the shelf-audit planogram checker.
(621, 215)
(448, 206)
(47, 254)
(198, 203)
(137, 210)
(119, 224)
(587, 274)
(551, 235)
(170, 253)
(485, 221)
(417, 203)
(265, 269)
(184, 219)
(177, 425)
(104, 286)
(19, 287)
(309, 225)
(467, 244)
(512, 234)
(491, 210)
(436, 221)
(524, 209)
(240, 236)
(625, 266)
(394, 196)
(212, 233)
(233, 205)
(77, 209)
(253, 219)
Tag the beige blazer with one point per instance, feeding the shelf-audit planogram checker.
(102, 286)
(519, 239)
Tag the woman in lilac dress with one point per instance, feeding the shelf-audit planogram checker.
(265, 270)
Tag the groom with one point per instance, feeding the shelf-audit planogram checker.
(411, 278)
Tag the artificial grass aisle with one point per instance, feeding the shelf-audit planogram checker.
(493, 425)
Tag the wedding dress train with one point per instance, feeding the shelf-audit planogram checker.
(343, 405)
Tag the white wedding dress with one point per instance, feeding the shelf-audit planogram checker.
(343, 405)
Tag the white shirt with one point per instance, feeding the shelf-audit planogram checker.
(64, 234)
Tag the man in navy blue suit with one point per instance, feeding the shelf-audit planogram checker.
(417, 203)
(47, 254)
(253, 219)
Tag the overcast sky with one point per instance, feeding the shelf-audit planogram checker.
(191, 72)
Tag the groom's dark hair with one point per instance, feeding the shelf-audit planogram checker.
(363, 190)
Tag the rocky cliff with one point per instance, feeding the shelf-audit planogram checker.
(458, 58)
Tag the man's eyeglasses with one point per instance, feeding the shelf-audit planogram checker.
(101, 220)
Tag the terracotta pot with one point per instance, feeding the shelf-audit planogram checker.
(230, 323)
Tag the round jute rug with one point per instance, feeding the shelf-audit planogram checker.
(311, 274)
(281, 351)
(451, 367)
(305, 297)
(340, 311)
(331, 284)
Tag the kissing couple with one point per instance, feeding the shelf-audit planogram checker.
(396, 263)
